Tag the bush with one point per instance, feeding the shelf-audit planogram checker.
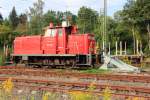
(1, 59)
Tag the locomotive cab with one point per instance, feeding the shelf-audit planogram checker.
(52, 31)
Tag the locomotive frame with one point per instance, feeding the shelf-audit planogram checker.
(54, 60)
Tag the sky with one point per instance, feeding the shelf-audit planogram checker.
(60, 5)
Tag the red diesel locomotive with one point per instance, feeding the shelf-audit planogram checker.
(59, 46)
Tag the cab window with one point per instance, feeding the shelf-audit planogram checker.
(60, 32)
(50, 32)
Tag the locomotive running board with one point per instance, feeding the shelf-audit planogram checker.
(58, 55)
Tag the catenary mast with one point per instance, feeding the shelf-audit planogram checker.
(105, 26)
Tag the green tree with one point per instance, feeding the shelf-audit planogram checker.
(13, 19)
(136, 16)
(23, 24)
(1, 18)
(4, 29)
(50, 16)
(23, 19)
(123, 31)
(6, 22)
(111, 35)
(87, 19)
(69, 17)
(57, 17)
(36, 17)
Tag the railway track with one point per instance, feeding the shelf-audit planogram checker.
(65, 90)
(48, 73)
(60, 86)
(84, 85)
(121, 91)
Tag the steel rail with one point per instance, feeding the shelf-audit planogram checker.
(65, 90)
(86, 85)
(44, 73)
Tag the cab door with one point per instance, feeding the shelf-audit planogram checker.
(62, 41)
(50, 42)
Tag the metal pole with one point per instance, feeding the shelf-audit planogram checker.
(137, 46)
(120, 47)
(116, 48)
(103, 48)
(105, 23)
(109, 49)
(125, 48)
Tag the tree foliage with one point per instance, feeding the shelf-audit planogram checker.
(136, 17)
(1, 18)
(23, 19)
(123, 30)
(35, 16)
(57, 17)
(4, 29)
(51, 16)
(13, 18)
(23, 24)
(87, 19)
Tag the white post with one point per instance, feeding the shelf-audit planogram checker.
(137, 46)
(109, 48)
(116, 48)
(4, 49)
(120, 47)
(140, 47)
(125, 48)
(103, 48)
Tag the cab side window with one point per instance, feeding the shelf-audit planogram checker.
(50, 32)
(60, 32)
(53, 32)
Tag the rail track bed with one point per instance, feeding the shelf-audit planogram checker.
(53, 73)
(64, 81)
(62, 89)
(48, 85)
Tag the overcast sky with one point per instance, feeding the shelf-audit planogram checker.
(60, 5)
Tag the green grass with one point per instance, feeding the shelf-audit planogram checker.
(96, 71)
(1, 59)
(88, 71)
